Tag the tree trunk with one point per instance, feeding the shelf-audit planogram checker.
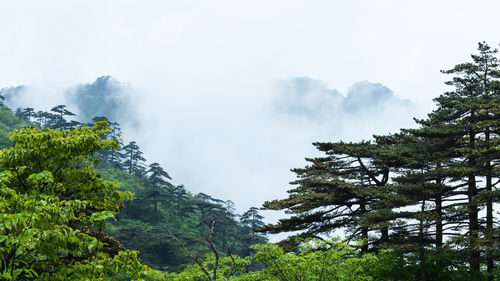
(474, 259)
(364, 229)
(364, 236)
(362, 208)
(489, 214)
(439, 220)
(385, 234)
(421, 245)
(178, 206)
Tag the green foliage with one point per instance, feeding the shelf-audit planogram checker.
(251, 218)
(134, 162)
(316, 260)
(141, 226)
(158, 205)
(422, 201)
(226, 267)
(9, 122)
(123, 266)
(332, 259)
(432, 190)
(51, 203)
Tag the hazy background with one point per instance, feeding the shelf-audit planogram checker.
(229, 95)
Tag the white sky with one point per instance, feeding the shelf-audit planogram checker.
(206, 72)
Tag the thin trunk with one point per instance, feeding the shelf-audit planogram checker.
(223, 241)
(439, 223)
(473, 227)
(384, 234)
(439, 220)
(178, 206)
(130, 164)
(489, 214)
(421, 244)
(362, 207)
(474, 259)
(364, 229)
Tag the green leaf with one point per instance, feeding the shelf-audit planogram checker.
(101, 216)
(42, 177)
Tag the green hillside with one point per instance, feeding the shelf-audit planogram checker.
(418, 204)
(157, 207)
(8, 123)
(142, 226)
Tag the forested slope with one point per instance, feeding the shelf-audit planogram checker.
(419, 204)
(158, 206)
(8, 123)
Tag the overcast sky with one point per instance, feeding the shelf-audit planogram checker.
(215, 82)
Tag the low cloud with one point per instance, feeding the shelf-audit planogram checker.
(367, 98)
(239, 149)
(107, 97)
(307, 97)
(366, 109)
(12, 95)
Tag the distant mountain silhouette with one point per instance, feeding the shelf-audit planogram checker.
(312, 99)
(10, 93)
(106, 96)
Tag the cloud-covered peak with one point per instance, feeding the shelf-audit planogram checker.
(106, 96)
(106, 81)
(306, 97)
(11, 94)
(365, 96)
(312, 99)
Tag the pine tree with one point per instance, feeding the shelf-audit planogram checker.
(157, 176)
(417, 192)
(160, 187)
(58, 120)
(52, 120)
(252, 218)
(465, 114)
(421, 188)
(115, 133)
(448, 166)
(335, 192)
(183, 205)
(133, 158)
(28, 113)
(25, 114)
(42, 119)
(214, 210)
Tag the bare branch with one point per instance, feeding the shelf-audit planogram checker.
(232, 267)
(192, 255)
